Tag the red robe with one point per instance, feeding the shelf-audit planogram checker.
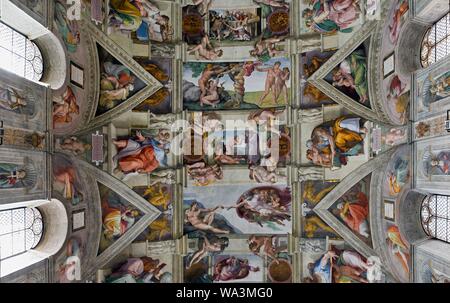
(144, 161)
(357, 212)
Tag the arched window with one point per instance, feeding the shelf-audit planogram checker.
(436, 44)
(436, 217)
(30, 232)
(20, 230)
(20, 55)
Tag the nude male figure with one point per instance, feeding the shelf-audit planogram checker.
(205, 174)
(209, 72)
(208, 247)
(206, 50)
(256, 243)
(263, 45)
(273, 73)
(281, 86)
(192, 216)
(212, 97)
(261, 175)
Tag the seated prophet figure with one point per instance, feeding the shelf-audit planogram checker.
(155, 26)
(142, 154)
(331, 16)
(125, 15)
(332, 142)
(320, 270)
(349, 267)
(337, 266)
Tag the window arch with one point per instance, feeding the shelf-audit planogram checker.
(20, 55)
(435, 215)
(21, 229)
(436, 44)
(30, 232)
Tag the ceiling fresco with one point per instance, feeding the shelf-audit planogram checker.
(208, 141)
